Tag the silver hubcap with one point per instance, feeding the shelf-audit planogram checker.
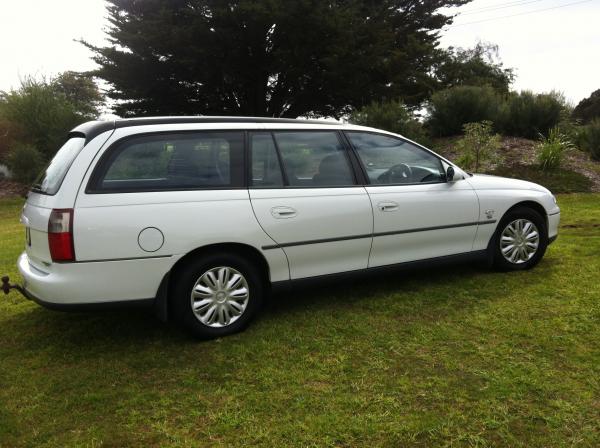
(220, 296)
(519, 241)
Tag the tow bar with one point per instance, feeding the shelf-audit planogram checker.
(6, 286)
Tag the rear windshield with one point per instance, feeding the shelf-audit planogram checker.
(51, 178)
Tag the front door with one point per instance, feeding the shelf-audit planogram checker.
(417, 214)
(312, 208)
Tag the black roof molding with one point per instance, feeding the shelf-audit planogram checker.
(92, 129)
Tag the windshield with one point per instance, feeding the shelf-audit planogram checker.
(51, 178)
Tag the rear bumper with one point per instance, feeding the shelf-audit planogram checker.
(95, 284)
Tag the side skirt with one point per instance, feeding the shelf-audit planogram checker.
(287, 285)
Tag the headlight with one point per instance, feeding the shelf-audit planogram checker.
(554, 199)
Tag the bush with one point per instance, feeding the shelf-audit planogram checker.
(451, 109)
(25, 163)
(551, 149)
(588, 138)
(45, 117)
(40, 113)
(392, 116)
(479, 146)
(528, 115)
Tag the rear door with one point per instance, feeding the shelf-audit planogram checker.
(156, 194)
(305, 196)
(417, 214)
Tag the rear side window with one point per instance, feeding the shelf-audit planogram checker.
(314, 159)
(172, 162)
(51, 178)
(266, 171)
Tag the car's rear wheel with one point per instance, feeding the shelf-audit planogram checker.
(520, 240)
(216, 296)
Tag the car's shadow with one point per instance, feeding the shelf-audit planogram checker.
(130, 329)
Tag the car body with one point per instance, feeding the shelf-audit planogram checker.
(129, 210)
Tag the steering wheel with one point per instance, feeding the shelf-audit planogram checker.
(397, 174)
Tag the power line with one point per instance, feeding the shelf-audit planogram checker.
(494, 8)
(519, 14)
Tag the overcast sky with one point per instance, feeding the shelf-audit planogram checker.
(549, 48)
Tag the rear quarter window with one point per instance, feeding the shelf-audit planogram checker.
(50, 180)
(174, 161)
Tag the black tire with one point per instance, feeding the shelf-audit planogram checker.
(499, 261)
(186, 278)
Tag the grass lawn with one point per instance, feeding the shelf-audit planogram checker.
(456, 356)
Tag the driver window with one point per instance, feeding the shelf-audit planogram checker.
(390, 160)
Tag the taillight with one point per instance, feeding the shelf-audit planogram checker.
(60, 234)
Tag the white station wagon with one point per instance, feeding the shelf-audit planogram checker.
(201, 217)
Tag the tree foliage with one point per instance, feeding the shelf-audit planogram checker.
(269, 57)
(588, 108)
(477, 66)
(392, 116)
(36, 117)
(81, 91)
(43, 115)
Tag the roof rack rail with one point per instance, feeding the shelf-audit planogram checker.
(92, 129)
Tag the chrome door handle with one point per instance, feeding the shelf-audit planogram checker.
(387, 206)
(283, 212)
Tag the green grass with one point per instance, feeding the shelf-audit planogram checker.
(562, 180)
(456, 356)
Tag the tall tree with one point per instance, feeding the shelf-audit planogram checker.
(81, 91)
(588, 108)
(269, 57)
(478, 66)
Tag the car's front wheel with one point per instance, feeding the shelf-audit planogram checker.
(520, 240)
(216, 296)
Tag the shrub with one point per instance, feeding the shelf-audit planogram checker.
(45, 116)
(479, 146)
(41, 112)
(528, 114)
(10, 133)
(588, 138)
(451, 109)
(551, 149)
(25, 163)
(393, 116)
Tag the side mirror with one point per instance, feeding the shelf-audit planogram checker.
(449, 174)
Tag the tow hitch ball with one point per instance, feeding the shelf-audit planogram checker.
(6, 286)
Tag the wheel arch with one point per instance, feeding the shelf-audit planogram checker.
(161, 302)
(536, 206)
(533, 205)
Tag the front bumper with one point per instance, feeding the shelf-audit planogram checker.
(553, 222)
